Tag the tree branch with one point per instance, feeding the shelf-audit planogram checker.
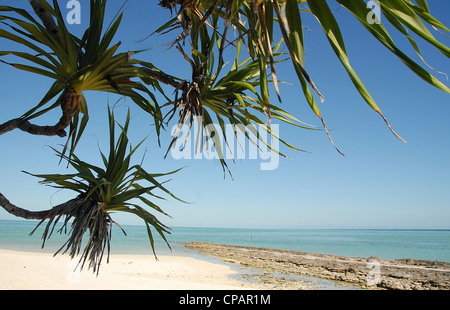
(26, 126)
(19, 212)
(162, 77)
(46, 18)
(69, 101)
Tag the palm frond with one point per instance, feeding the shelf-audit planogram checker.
(254, 22)
(89, 63)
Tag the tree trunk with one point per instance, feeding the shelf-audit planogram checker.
(46, 18)
(69, 101)
(19, 212)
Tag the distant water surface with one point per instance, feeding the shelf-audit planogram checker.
(385, 244)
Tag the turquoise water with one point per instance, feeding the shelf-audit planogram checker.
(385, 244)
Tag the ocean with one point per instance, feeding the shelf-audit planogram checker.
(381, 243)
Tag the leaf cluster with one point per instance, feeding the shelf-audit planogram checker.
(257, 23)
(118, 186)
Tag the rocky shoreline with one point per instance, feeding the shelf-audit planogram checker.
(365, 273)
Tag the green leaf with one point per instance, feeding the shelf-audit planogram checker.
(330, 26)
(295, 29)
(381, 34)
(401, 11)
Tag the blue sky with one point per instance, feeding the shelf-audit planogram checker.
(380, 183)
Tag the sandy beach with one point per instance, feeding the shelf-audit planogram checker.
(220, 267)
(42, 271)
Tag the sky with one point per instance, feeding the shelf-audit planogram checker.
(381, 182)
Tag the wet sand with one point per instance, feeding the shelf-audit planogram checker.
(281, 269)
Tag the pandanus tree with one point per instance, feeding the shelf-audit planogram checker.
(101, 191)
(233, 48)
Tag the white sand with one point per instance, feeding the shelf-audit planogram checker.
(40, 271)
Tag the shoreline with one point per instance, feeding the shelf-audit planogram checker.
(190, 270)
(363, 273)
(211, 266)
